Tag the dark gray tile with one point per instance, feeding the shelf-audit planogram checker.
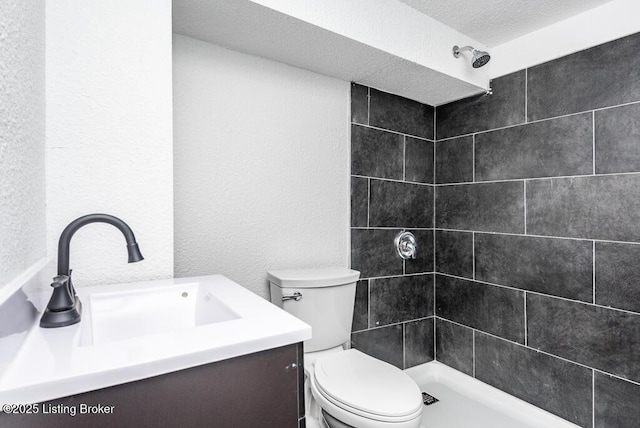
(555, 147)
(359, 104)
(454, 346)
(400, 114)
(618, 275)
(376, 153)
(454, 160)
(503, 108)
(393, 203)
(494, 310)
(373, 254)
(359, 201)
(605, 75)
(487, 207)
(418, 342)
(383, 343)
(558, 386)
(418, 160)
(361, 307)
(400, 299)
(454, 253)
(560, 267)
(424, 258)
(600, 207)
(602, 338)
(616, 402)
(618, 139)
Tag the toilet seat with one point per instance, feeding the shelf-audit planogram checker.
(365, 386)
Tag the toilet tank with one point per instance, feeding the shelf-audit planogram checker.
(326, 298)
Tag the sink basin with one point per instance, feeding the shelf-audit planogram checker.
(143, 329)
(157, 310)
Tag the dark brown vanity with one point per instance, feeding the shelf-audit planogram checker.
(262, 389)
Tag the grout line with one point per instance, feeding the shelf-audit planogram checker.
(593, 147)
(390, 228)
(368, 105)
(404, 347)
(435, 260)
(368, 201)
(434, 294)
(435, 153)
(540, 120)
(433, 219)
(602, 371)
(417, 137)
(368, 304)
(593, 273)
(473, 351)
(377, 327)
(473, 255)
(542, 352)
(593, 398)
(507, 180)
(400, 275)
(526, 96)
(444, 229)
(526, 339)
(391, 179)
(404, 158)
(473, 158)
(435, 128)
(435, 335)
(525, 205)
(537, 293)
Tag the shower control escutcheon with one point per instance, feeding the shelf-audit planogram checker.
(406, 246)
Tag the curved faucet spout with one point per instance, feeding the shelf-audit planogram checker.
(64, 307)
(72, 228)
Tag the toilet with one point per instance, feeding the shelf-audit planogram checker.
(343, 387)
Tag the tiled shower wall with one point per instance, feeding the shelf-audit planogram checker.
(392, 159)
(538, 235)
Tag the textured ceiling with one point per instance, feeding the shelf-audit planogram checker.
(494, 22)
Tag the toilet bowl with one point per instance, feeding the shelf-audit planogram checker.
(343, 388)
(360, 391)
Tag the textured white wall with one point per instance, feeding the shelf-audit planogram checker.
(109, 133)
(22, 134)
(261, 165)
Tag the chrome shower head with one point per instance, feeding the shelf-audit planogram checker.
(478, 58)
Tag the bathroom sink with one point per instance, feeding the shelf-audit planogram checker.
(157, 310)
(137, 330)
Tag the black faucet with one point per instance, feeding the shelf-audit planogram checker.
(65, 307)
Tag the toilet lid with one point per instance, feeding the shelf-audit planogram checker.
(367, 384)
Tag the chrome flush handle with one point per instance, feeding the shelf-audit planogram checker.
(406, 245)
(295, 296)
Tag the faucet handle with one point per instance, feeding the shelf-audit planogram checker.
(61, 299)
(406, 245)
(60, 280)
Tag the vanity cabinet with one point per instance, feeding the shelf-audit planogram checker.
(258, 390)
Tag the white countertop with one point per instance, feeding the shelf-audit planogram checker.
(54, 363)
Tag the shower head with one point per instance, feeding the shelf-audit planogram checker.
(478, 58)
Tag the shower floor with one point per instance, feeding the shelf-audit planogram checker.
(466, 402)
